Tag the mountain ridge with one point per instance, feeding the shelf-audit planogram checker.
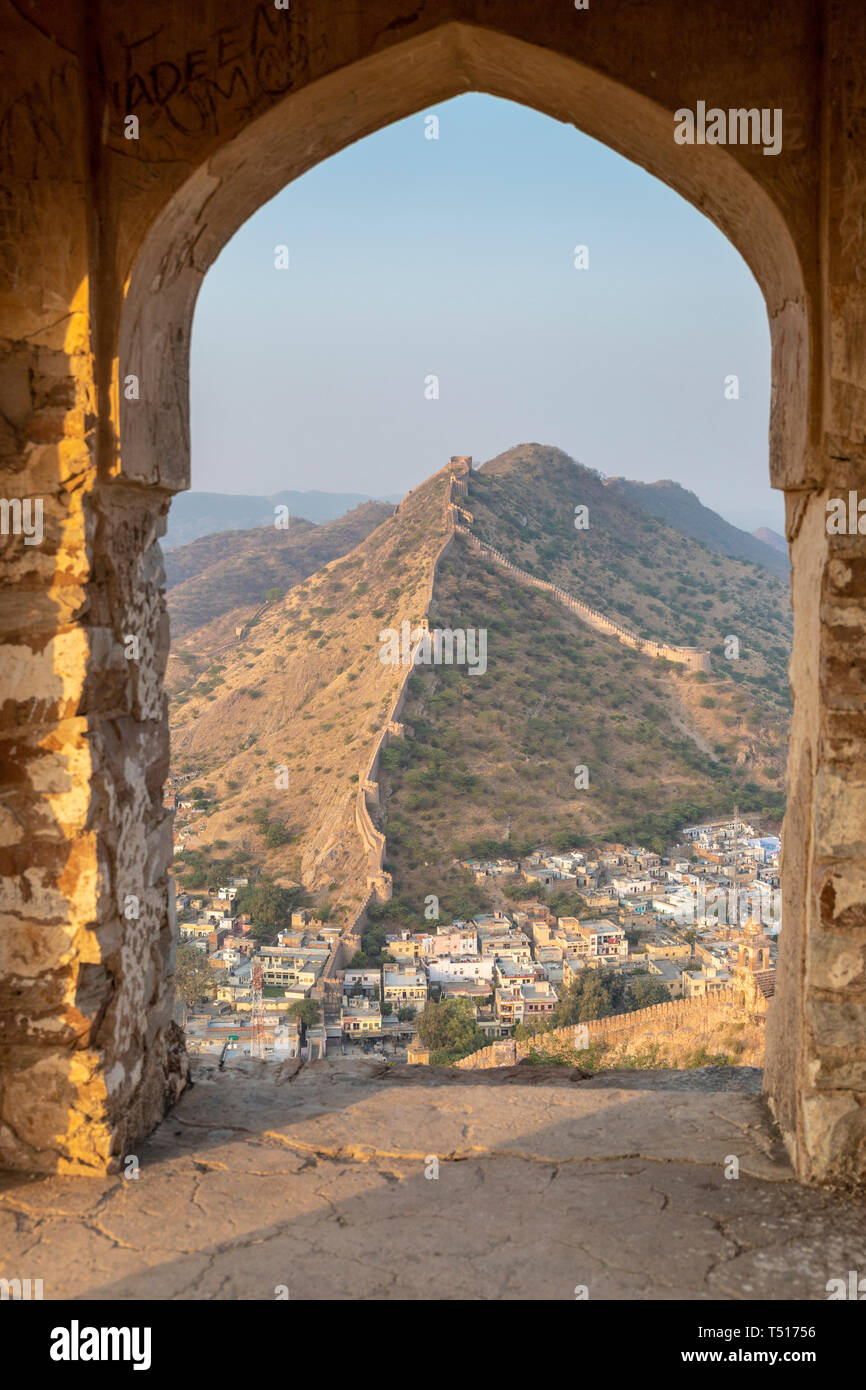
(305, 688)
(684, 511)
(196, 514)
(660, 745)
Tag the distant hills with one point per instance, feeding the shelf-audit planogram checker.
(195, 514)
(771, 538)
(685, 512)
(231, 572)
(490, 755)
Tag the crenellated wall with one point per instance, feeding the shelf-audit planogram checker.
(677, 1028)
(695, 658)
(378, 880)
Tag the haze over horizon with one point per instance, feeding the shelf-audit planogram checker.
(412, 257)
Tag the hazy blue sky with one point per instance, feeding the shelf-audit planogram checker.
(410, 257)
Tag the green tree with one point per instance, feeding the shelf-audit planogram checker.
(565, 904)
(593, 994)
(193, 977)
(644, 991)
(565, 840)
(269, 907)
(276, 835)
(449, 1030)
(522, 892)
(307, 1010)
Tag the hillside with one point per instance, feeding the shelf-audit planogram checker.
(682, 510)
(221, 573)
(652, 578)
(300, 699)
(494, 754)
(195, 514)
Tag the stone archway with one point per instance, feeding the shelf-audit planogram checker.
(146, 242)
(303, 129)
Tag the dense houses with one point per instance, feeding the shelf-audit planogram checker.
(690, 920)
(293, 968)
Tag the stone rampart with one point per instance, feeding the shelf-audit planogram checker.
(678, 1027)
(378, 880)
(695, 658)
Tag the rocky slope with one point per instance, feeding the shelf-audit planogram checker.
(685, 512)
(650, 576)
(284, 722)
(491, 754)
(232, 570)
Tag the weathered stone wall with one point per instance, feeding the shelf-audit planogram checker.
(103, 245)
(368, 785)
(676, 1028)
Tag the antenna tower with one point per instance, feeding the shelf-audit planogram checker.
(257, 1014)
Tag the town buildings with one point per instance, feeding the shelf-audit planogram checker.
(691, 921)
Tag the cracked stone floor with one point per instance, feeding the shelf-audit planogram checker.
(313, 1178)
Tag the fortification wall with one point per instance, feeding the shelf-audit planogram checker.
(720, 1023)
(368, 782)
(695, 658)
(373, 840)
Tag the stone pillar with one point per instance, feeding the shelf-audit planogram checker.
(89, 1058)
(816, 1054)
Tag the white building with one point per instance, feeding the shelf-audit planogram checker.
(450, 970)
(632, 887)
(368, 978)
(403, 986)
(456, 940)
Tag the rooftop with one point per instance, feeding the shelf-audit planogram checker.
(313, 1176)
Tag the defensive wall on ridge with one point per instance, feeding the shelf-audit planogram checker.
(695, 658)
(378, 881)
(373, 840)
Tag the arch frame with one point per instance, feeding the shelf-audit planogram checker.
(307, 126)
(324, 116)
(108, 289)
